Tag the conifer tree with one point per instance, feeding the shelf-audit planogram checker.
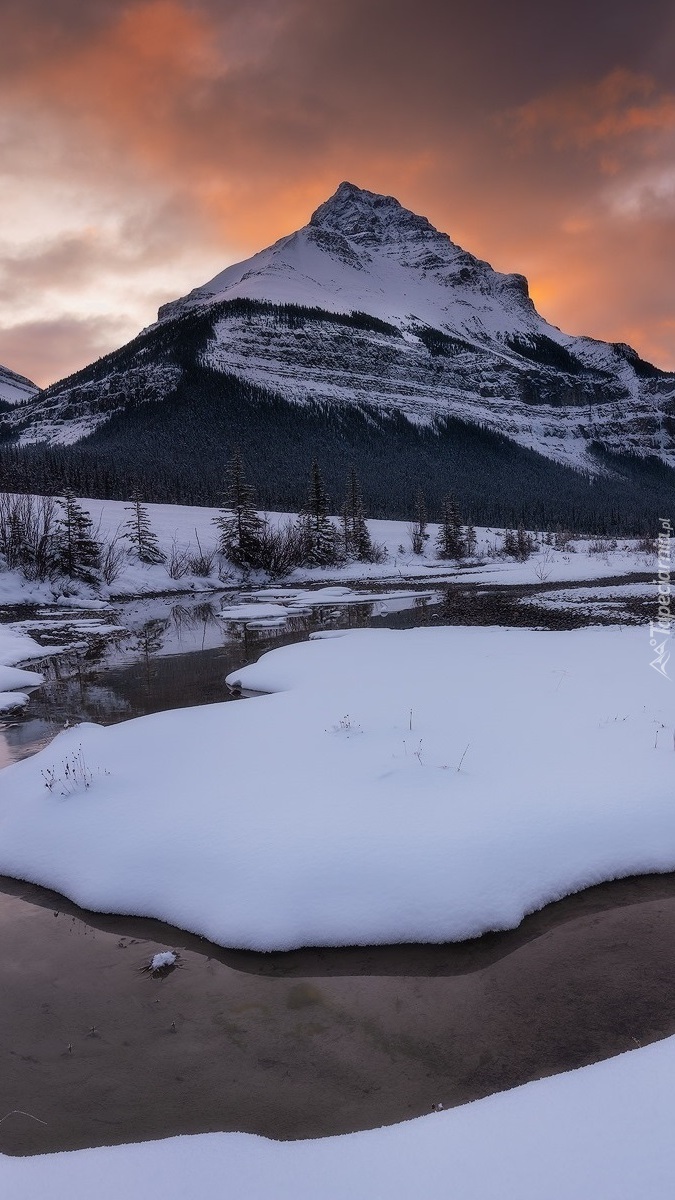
(239, 526)
(78, 554)
(470, 538)
(318, 531)
(418, 530)
(518, 544)
(357, 540)
(139, 532)
(524, 543)
(450, 541)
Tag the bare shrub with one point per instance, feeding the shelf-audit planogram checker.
(602, 545)
(28, 533)
(417, 539)
(281, 549)
(202, 562)
(178, 560)
(113, 556)
(378, 553)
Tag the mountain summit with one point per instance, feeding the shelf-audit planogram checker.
(367, 217)
(363, 251)
(367, 331)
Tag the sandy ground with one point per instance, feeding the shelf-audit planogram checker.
(96, 1051)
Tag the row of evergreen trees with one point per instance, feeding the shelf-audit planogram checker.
(44, 537)
(248, 541)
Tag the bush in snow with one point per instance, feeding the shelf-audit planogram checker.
(27, 531)
(202, 562)
(518, 544)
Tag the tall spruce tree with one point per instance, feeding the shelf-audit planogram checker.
(78, 554)
(450, 541)
(318, 531)
(357, 540)
(138, 531)
(239, 527)
(418, 530)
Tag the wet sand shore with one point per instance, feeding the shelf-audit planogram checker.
(94, 1050)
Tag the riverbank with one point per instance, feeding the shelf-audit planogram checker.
(310, 1043)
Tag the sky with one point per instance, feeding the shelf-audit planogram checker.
(146, 144)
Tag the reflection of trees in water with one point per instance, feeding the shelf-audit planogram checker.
(150, 638)
(186, 618)
(78, 696)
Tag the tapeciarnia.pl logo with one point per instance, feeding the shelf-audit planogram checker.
(660, 630)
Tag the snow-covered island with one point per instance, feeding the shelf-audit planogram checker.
(418, 785)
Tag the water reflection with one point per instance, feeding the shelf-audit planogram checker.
(314, 1042)
(166, 654)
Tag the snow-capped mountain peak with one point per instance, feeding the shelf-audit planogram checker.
(365, 252)
(369, 218)
(368, 305)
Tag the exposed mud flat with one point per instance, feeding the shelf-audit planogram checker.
(97, 1050)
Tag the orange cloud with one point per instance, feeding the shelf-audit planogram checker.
(621, 104)
(133, 76)
(202, 130)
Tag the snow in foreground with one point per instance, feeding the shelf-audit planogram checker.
(417, 785)
(604, 1132)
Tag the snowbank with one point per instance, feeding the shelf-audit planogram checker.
(417, 785)
(15, 647)
(604, 1132)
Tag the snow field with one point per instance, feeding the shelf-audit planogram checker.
(417, 785)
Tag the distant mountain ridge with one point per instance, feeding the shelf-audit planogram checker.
(366, 312)
(15, 388)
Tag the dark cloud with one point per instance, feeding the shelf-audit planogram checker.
(540, 136)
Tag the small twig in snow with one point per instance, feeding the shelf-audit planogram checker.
(19, 1112)
(459, 765)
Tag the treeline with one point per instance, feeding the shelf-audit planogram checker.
(45, 537)
(174, 451)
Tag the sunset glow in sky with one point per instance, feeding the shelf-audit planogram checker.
(145, 144)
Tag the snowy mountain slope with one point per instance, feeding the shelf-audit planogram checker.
(370, 305)
(14, 388)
